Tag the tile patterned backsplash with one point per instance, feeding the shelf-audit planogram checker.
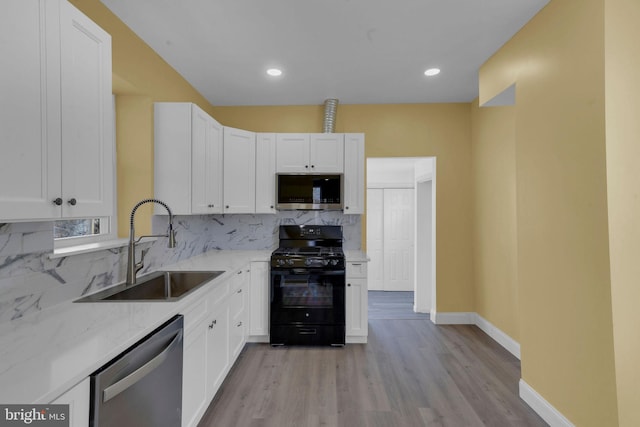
(31, 282)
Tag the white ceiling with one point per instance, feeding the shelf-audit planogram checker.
(359, 51)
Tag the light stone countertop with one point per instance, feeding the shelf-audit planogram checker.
(46, 354)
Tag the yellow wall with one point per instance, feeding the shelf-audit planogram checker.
(494, 216)
(143, 78)
(440, 130)
(622, 63)
(557, 62)
(552, 291)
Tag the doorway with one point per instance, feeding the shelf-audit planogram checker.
(400, 228)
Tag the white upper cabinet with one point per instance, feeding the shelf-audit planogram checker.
(207, 163)
(266, 173)
(292, 152)
(326, 153)
(56, 113)
(354, 184)
(188, 159)
(309, 153)
(239, 171)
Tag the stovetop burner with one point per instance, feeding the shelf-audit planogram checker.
(309, 247)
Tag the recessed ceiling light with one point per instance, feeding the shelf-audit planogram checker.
(275, 72)
(432, 72)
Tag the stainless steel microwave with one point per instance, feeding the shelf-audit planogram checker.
(309, 191)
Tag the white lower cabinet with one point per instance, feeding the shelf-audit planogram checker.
(194, 383)
(356, 300)
(237, 303)
(217, 349)
(215, 334)
(259, 302)
(78, 400)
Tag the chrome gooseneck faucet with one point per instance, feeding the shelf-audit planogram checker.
(132, 266)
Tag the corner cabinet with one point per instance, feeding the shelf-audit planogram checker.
(354, 180)
(239, 171)
(56, 113)
(188, 159)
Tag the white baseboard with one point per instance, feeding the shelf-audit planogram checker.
(543, 408)
(356, 339)
(452, 318)
(511, 345)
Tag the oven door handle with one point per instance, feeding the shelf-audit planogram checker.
(307, 272)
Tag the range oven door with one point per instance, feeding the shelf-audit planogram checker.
(307, 306)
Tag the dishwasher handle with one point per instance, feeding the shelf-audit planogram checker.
(117, 388)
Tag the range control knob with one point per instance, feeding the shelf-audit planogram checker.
(290, 261)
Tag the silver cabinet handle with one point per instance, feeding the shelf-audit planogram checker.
(72, 202)
(57, 202)
(239, 324)
(213, 323)
(117, 388)
(239, 291)
(356, 264)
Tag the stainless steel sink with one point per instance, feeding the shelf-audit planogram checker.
(158, 286)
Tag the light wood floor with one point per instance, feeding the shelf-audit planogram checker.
(411, 373)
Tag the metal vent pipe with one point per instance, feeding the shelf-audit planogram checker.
(330, 107)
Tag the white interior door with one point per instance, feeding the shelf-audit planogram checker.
(390, 238)
(398, 239)
(375, 235)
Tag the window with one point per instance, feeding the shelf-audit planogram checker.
(74, 232)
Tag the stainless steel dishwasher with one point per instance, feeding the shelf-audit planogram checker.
(142, 386)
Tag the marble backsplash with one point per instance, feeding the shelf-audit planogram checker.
(31, 282)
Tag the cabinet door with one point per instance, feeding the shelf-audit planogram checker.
(266, 173)
(326, 152)
(87, 116)
(78, 400)
(292, 152)
(29, 109)
(356, 300)
(217, 349)
(206, 163)
(194, 378)
(259, 299)
(239, 171)
(354, 184)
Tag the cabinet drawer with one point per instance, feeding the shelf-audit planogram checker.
(357, 269)
(236, 302)
(194, 314)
